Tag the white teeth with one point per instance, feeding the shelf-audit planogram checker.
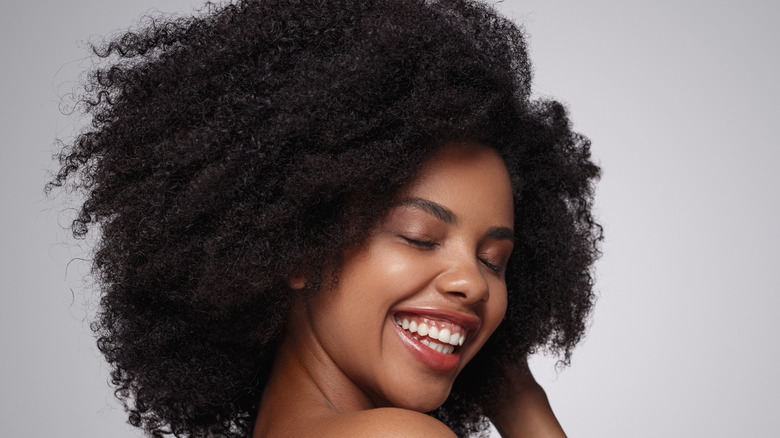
(444, 336)
(441, 348)
(448, 340)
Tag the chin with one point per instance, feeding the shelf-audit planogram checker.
(426, 402)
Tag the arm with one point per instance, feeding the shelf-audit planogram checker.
(525, 411)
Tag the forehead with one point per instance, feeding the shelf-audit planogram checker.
(467, 178)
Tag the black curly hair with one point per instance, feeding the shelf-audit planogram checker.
(234, 149)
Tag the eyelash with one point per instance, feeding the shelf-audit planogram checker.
(495, 268)
(425, 244)
(421, 243)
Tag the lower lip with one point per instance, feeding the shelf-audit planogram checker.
(432, 358)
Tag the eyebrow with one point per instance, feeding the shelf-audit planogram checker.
(446, 215)
(501, 233)
(436, 210)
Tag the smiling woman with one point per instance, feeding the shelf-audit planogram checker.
(440, 275)
(331, 218)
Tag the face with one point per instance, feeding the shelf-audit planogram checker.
(422, 295)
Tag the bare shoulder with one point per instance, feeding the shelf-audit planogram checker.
(390, 423)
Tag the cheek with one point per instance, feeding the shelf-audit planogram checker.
(492, 314)
(394, 259)
(394, 272)
(496, 308)
(370, 284)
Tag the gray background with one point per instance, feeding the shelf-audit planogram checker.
(680, 100)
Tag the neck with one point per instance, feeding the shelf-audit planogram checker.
(303, 376)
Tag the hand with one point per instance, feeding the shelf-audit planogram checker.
(524, 411)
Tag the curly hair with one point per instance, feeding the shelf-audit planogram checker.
(233, 149)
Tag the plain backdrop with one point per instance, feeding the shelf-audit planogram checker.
(680, 100)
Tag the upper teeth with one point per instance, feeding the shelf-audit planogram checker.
(444, 335)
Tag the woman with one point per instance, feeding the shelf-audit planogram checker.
(331, 218)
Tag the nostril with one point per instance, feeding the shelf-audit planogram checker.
(458, 294)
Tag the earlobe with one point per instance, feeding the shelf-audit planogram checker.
(297, 282)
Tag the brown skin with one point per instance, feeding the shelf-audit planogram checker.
(343, 369)
(525, 410)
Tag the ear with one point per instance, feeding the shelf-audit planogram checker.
(297, 282)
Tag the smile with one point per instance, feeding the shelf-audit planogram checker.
(435, 337)
(440, 336)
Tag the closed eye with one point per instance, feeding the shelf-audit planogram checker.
(420, 243)
(495, 268)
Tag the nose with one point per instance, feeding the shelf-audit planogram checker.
(463, 280)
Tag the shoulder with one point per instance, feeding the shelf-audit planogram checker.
(390, 423)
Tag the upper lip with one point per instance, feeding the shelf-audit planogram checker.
(467, 320)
